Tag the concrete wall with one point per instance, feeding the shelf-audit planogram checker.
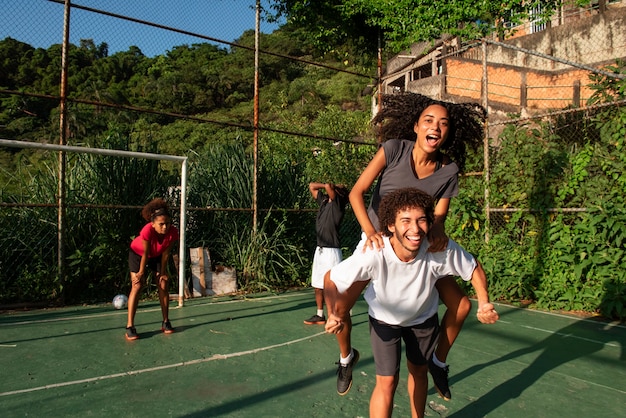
(518, 80)
(598, 39)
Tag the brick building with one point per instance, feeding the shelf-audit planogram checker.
(540, 67)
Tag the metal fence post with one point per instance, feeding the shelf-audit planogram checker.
(485, 102)
(62, 157)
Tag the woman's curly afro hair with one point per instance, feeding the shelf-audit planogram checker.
(156, 207)
(399, 113)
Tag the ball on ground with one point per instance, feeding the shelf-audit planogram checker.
(120, 301)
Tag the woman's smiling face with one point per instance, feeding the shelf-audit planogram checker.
(432, 128)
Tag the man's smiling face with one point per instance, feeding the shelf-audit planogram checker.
(408, 232)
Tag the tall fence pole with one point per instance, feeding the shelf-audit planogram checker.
(256, 116)
(182, 247)
(485, 103)
(379, 73)
(62, 156)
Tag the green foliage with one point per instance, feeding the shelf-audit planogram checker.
(404, 22)
(585, 258)
(265, 260)
(38, 282)
(560, 260)
(202, 81)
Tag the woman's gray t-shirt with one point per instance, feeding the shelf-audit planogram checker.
(399, 173)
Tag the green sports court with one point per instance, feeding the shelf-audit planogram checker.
(254, 357)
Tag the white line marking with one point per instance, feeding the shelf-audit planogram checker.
(547, 331)
(8, 345)
(572, 336)
(168, 366)
(613, 324)
(155, 309)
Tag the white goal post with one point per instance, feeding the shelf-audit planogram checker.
(131, 154)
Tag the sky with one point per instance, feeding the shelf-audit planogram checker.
(39, 23)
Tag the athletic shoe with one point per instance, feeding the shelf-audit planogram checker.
(131, 333)
(315, 320)
(344, 374)
(440, 379)
(166, 327)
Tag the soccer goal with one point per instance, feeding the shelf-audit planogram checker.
(130, 154)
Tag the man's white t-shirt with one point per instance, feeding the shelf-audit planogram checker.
(402, 293)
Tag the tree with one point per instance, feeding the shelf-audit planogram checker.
(404, 22)
(329, 23)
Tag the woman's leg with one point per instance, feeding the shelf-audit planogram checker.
(133, 299)
(458, 308)
(164, 296)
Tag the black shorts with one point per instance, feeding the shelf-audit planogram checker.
(420, 341)
(134, 262)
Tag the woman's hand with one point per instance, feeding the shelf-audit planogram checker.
(137, 277)
(374, 241)
(437, 238)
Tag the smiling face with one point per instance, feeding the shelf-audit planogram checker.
(408, 232)
(161, 224)
(432, 128)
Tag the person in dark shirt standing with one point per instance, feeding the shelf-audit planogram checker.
(332, 200)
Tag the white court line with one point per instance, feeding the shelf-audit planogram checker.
(602, 343)
(547, 331)
(8, 345)
(168, 366)
(613, 324)
(155, 309)
(572, 336)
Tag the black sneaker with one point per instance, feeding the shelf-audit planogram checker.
(315, 320)
(166, 327)
(440, 379)
(131, 333)
(344, 374)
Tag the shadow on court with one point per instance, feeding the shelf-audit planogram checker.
(254, 357)
(581, 365)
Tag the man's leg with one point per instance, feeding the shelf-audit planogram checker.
(340, 324)
(381, 402)
(418, 388)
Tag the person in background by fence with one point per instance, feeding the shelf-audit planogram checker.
(151, 250)
(401, 295)
(332, 207)
(423, 145)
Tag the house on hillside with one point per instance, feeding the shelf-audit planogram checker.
(540, 67)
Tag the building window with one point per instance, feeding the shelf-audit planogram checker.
(537, 23)
(424, 71)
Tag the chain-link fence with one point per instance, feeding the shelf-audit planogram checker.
(87, 261)
(551, 153)
(548, 220)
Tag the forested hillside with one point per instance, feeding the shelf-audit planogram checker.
(196, 101)
(202, 80)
